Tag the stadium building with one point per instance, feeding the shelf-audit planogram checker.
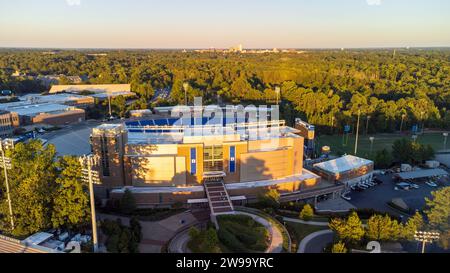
(203, 162)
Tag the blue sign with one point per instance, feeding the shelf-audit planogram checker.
(415, 128)
(232, 159)
(193, 161)
(347, 128)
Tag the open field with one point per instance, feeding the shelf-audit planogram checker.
(382, 141)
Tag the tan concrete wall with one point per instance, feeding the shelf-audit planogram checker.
(257, 166)
(158, 171)
(184, 150)
(241, 148)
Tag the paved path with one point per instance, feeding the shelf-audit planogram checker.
(311, 223)
(276, 244)
(315, 242)
(179, 243)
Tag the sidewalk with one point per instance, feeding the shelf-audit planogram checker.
(315, 236)
(311, 223)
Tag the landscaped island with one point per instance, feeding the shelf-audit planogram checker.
(237, 234)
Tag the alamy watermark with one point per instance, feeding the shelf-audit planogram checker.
(249, 122)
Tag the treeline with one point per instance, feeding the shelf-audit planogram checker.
(326, 88)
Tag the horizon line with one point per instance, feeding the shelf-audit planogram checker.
(222, 48)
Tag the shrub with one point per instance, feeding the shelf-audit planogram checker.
(339, 248)
(127, 203)
(307, 213)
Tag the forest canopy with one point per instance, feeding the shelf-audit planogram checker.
(325, 87)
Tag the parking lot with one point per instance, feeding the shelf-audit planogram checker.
(378, 197)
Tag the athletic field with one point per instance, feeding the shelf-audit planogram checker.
(340, 145)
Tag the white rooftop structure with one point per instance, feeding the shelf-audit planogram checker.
(38, 238)
(36, 109)
(94, 88)
(343, 164)
(422, 174)
(60, 98)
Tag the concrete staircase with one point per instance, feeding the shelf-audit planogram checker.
(218, 198)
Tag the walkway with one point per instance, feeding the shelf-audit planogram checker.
(316, 242)
(276, 244)
(311, 223)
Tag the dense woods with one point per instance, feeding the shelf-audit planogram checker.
(327, 88)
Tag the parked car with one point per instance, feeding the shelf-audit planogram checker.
(345, 197)
(404, 186)
(360, 188)
(363, 186)
(431, 184)
(377, 180)
(414, 186)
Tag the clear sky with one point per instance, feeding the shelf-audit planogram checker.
(224, 23)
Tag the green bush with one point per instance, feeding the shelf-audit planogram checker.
(307, 213)
(240, 233)
(230, 241)
(122, 239)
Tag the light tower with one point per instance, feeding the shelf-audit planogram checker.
(6, 165)
(426, 237)
(90, 176)
(185, 88)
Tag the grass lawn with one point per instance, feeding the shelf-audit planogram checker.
(300, 231)
(382, 141)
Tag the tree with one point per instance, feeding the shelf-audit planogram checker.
(350, 230)
(136, 229)
(339, 248)
(401, 151)
(307, 213)
(438, 214)
(406, 151)
(32, 183)
(119, 104)
(127, 203)
(383, 228)
(271, 199)
(70, 201)
(355, 229)
(383, 159)
(211, 241)
(415, 223)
